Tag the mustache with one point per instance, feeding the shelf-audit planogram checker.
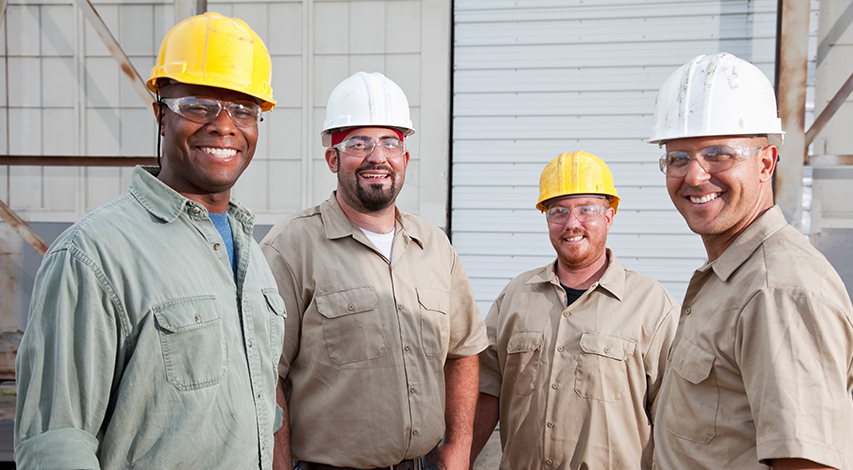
(375, 166)
(574, 233)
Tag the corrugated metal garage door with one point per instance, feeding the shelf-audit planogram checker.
(535, 78)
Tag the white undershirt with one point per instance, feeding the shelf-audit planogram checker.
(383, 241)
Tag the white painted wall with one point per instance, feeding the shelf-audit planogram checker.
(536, 78)
(65, 95)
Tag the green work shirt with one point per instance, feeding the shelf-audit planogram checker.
(141, 350)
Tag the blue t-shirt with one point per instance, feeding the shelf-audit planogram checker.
(220, 221)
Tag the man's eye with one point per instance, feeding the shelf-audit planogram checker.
(243, 112)
(678, 159)
(718, 157)
(196, 109)
(586, 209)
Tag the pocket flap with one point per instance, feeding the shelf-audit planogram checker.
(692, 363)
(338, 304)
(434, 299)
(613, 347)
(274, 301)
(188, 313)
(524, 342)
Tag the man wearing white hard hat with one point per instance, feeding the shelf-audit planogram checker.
(383, 331)
(761, 369)
(576, 348)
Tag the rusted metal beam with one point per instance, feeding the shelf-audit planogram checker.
(23, 229)
(792, 44)
(72, 160)
(115, 49)
(829, 111)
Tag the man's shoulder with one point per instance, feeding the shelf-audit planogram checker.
(114, 218)
(294, 226)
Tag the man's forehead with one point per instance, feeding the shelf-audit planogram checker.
(697, 143)
(371, 132)
(178, 89)
(576, 200)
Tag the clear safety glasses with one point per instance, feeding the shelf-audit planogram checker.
(712, 159)
(585, 213)
(363, 146)
(205, 110)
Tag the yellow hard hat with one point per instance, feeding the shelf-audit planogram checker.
(576, 173)
(216, 51)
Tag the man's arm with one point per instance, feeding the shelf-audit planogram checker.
(462, 379)
(64, 368)
(485, 420)
(796, 464)
(281, 453)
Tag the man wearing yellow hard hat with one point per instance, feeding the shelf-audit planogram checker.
(155, 324)
(576, 348)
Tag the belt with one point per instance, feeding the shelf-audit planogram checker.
(420, 463)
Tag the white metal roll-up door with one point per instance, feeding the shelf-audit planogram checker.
(535, 78)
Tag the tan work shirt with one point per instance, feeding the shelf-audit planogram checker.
(365, 339)
(577, 384)
(761, 365)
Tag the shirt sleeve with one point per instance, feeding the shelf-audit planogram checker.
(289, 290)
(66, 364)
(490, 369)
(467, 330)
(794, 350)
(654, 360)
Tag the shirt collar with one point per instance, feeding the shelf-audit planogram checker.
(613, 279)
(747, 242)
(337, 225)
(167, 204)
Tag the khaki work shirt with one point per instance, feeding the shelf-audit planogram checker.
(761, 366)
(577, 384)
(366, 339)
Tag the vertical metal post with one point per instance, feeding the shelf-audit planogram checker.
(792, 42)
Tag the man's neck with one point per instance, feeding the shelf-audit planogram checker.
(382, 221)
(582, 277)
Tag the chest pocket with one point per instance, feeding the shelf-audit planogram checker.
(695, 395)
(192, 341)
(602, 371)
(353, 328)
(522, 361)
(435, 326)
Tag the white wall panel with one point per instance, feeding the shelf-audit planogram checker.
(536, 78)
(24, 34)
(25, 79)
(59, 182)
(60, 135)
(102, 184)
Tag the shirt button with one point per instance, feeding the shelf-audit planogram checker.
(250, 343)
(607, 350)
(414, 432)
(216, 247)
(549, 462)
(350, 307)
(198, 319)
(406, 347)
(565, 314)
(412, 389)
(196, 210)
(554, 386)
(550, 424)
(687, 310)
(560, 348)
(258, 394)
(399, 306)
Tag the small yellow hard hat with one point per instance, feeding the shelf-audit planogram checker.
(576, 173)
(216, 51)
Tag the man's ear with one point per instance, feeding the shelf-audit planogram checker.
(158, 111)
(332, 159)
(769, 156)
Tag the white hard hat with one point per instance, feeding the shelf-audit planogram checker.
(714, 96)
(366, 100)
